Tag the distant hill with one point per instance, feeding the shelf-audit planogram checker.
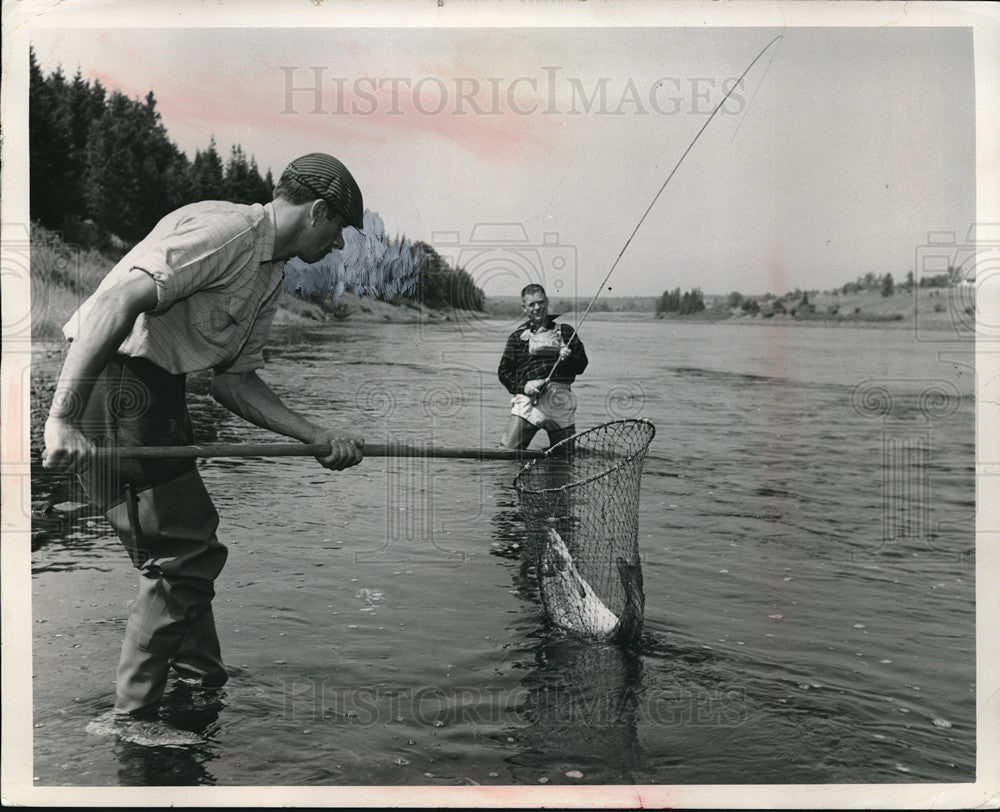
(511, 305)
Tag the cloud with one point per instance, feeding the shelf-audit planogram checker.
(355, 100)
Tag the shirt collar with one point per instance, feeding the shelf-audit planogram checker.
(549, 323)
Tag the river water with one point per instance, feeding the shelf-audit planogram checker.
(806, 530)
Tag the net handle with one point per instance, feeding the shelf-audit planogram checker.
(310, 450)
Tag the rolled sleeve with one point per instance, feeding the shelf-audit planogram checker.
(195, 255)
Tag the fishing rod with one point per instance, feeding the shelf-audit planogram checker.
(642, 219)
(392, 449)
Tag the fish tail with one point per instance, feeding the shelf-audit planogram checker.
(629, 626)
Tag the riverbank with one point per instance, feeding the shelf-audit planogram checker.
(358, 309)
(63, 276)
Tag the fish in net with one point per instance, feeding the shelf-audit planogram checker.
(580, 503)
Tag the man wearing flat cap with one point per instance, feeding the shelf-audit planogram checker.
(199, 292)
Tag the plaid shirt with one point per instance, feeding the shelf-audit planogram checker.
(518, 366)
(217, 289)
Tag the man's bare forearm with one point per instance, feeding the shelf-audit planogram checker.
(248, 396)
(106, 327)
(101, 334)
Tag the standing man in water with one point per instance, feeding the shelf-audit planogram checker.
(199, 292)
(529, 356)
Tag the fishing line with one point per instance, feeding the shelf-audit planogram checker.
(642, 219)
(756, 90)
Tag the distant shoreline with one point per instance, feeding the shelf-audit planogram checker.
(366, 311)
(934, 309)
(936, 324)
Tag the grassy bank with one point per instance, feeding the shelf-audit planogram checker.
(928, 308)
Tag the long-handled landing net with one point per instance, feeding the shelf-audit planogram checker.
(391, 449)
(581, 506)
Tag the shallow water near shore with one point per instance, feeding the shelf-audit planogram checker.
(807, 537)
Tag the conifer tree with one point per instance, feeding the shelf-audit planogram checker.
(258, 190)
(50, 146)
(206, 177)
(236, 176)
(134, 172)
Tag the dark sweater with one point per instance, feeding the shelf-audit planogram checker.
(517, 367)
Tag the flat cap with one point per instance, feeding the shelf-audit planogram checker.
(329, 179)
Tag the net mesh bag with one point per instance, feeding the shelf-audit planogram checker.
(580, 503)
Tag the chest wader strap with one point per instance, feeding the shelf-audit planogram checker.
(132, 506)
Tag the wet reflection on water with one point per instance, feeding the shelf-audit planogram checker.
(184, 709)
(579, 713)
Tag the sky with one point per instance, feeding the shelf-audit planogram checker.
(532, 154)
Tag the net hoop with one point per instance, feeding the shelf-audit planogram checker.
(643, 433)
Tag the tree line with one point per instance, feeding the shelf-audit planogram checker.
(376, 267)
(692, 301)
(888, 286)
(797, 301)
(102, 164)
(104, 171)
